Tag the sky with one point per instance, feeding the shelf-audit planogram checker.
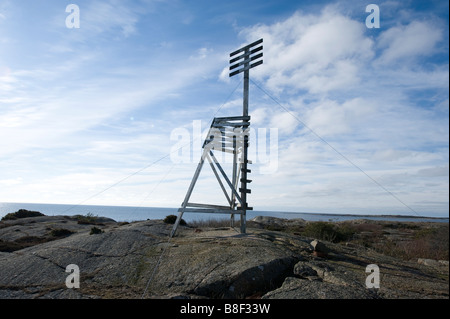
(345, 117)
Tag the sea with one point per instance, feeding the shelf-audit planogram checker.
(130, 213)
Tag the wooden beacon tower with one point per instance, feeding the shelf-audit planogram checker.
(231, 135)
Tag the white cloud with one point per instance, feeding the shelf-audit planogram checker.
(202, 53)
(232, 104)
(408, 41)
(318, 53)
(285, 122)
(11, 182)
(224, 75)
(7, 80)
(108, 16)
(259, 116)
(438, 171)
(330, 118)
(46, 118)
(405, 157)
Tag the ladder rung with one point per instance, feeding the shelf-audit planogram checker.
(247, 208)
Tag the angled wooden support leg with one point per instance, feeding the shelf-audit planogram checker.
(189, 192)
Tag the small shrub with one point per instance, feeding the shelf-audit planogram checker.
(345, 232)
(31, 240)
(171, 219)
(9, 246)
(88, 219)
(371, 227)
(274, 227)
(426, 232)
(432, 243)
(329, 231)
(60, 232)
(95, 230)
(22, 213)
(320, 230)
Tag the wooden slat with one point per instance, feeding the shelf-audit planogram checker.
(245, 69)
(226, 144)
(222, 142)
(235, 137)
(228, 124)
(253, 58)
(219, 146)
(248, 161)
(225, 150)
(210, 211)
(242, 56)
(233, 118)
(206, 206)
(246, 47)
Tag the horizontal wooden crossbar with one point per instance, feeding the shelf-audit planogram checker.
(209, 211)
(206, 206)
(225, 124)
(246, 47)
(232, 118)
(253, 58)
(246, 54)
(246, 68)
(246, 208)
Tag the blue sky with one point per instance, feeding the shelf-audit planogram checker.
(361, 114)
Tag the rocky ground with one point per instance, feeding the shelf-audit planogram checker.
(134, 260)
